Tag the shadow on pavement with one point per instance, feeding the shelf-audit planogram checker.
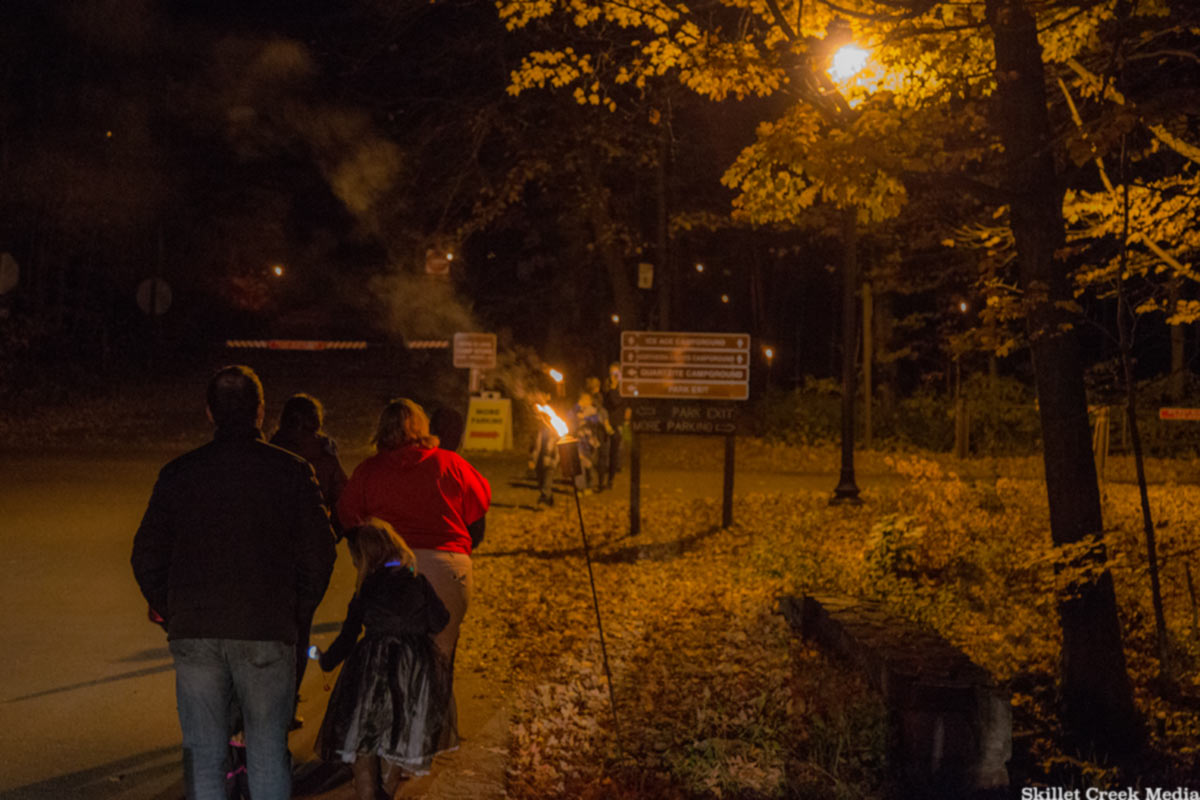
(124, 676)
(113, 779)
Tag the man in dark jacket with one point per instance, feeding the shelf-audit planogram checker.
(234, 549)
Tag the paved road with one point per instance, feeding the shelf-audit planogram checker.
(87, 690)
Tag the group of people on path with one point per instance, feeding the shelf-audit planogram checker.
(596, 421)
(235, 552)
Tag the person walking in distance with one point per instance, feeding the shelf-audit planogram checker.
(301, 431)
(619, 414)
(543, 454)
(234, 549)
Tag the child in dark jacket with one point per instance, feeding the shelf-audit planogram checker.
(391, 710)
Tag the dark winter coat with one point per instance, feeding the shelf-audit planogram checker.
(236, 542)
(321, 452)
(391, 602)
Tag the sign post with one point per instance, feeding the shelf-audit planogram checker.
(489, 417)
(684, 383)
(475, 352)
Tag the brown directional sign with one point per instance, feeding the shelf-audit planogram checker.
(685, 417)
(680, 365)
(475, 350)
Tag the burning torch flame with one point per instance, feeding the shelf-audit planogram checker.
(556, 421)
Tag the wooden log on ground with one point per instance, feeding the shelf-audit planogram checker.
(951, 725)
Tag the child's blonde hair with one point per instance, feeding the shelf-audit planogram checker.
(373, 544)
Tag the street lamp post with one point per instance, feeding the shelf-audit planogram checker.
(847, 489)
(845, 64)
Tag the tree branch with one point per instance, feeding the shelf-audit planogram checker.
(1164, 53)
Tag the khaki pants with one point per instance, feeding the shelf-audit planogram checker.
(450, 575)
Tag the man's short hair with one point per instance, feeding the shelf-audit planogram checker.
(235, 394)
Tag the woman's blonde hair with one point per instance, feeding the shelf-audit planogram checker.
(403, 422)
(373, 544)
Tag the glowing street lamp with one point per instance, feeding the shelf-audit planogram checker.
(847, 62)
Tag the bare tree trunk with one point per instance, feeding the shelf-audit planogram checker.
(886, 373)
(1097, 700)
(1176, 385)
(665, 276)
(1126, 343)
(599, 216)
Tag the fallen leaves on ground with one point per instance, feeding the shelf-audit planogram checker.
(715, 697)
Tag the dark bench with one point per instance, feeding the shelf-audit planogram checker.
(951, 725)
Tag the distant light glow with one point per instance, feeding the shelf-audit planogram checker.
(847, 62)
(769, 352)
(724, 298)
(699, 267)
(556, 375)
(962, 307)
(278, 270)
(616, 318)
(449, 256)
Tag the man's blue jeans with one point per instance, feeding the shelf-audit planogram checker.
(211, 676)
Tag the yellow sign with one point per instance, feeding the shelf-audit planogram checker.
(489, 424)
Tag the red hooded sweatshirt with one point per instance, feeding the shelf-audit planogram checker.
(429, 495)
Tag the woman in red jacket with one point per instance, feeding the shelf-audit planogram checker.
(432, 497)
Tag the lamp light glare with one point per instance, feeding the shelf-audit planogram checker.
(847, 62)
(556, 375)
(699, 267)
(724, 298)
(278, 270)
(769, 352)
(962, 307)
(616, 318)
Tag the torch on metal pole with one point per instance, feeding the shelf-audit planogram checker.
(568, 460)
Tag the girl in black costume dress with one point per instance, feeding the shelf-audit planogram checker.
(389, 712)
